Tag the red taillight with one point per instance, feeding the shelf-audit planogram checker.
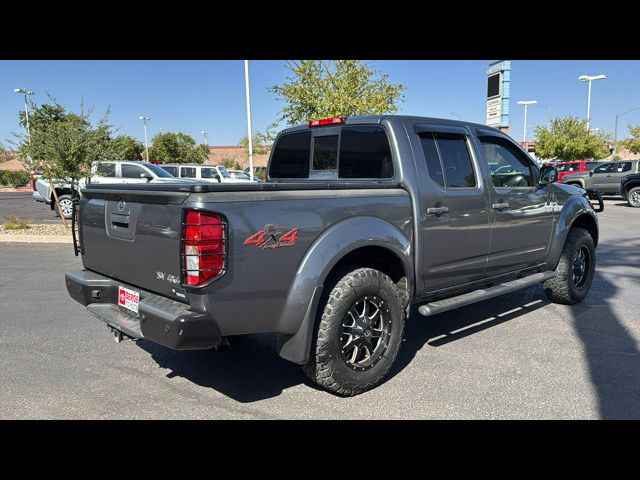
(327, 121)
(203, 244)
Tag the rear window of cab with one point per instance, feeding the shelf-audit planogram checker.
(360, 151)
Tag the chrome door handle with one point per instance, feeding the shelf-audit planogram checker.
(437, 211)
(500, 206)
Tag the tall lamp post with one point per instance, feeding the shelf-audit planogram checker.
(25, 92)
(589, 79)
(246, 85)
(204, 134)
(146, 140)
(615, 134)
(526, 103)
(454, 113)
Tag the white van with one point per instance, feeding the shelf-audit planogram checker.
(208, 173)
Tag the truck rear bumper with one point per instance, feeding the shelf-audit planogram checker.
(161, 320)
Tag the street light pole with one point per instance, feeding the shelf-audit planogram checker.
(615, 133)
(526, 103)
(589, 79)
(454, 113)
(246, 84)
(146, 140)
(26, 92)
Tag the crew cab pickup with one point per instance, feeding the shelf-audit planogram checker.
(360, 219)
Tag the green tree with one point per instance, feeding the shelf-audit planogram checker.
(177, 148)
(125, 147)
(633, 143)
(568, 139)
(63, 144)
(330, 88)
(261, 143)
(230, 163)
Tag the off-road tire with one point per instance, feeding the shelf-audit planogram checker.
(66, 201)
(561, 288)
(326, 365)
(633, 197)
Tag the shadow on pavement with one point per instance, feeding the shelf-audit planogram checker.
(250, 371)
(611, 352)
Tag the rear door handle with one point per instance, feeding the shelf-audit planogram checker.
(500, 206)
(437, 211)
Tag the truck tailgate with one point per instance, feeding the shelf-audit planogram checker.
(134, 236)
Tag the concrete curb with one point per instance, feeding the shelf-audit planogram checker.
(35, 239)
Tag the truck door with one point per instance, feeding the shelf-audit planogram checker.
(521, 211)
(454, 220)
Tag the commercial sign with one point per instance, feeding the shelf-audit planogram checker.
(498, 81)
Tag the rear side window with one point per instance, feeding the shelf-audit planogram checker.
(623, 167)
(448, 160)
(208, 173)
(106, 169)
(365, 153)
(171, 170)
(188, 172)
(291, 156)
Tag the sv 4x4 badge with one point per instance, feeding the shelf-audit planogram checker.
(272, 237)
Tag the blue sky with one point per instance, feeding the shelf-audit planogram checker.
(190, 96)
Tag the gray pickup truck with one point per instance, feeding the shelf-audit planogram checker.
(360, 219)
(606, 177)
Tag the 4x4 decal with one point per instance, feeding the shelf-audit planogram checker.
(272, 237)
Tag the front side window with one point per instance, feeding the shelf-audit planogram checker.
(170, 170)
(224, 172)
(132, 171)
(188, 172)
(513, 168)
(606, 168)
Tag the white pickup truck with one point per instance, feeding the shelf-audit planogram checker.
(207, 173)
(109, 172)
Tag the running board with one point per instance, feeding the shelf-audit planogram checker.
(483, 294)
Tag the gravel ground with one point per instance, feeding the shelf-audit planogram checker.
(56, 230)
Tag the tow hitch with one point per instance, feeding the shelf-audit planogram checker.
(118, 336)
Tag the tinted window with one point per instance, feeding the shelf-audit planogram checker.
(513, 168)
(188, 172)
(106, 169)
(208, 173)
(433, 159)
(456, 161)
(605, 168)
(365, 153)
(157, 170)
(623, 167)
(591, 165)
(171, 170)
(325, 152)
(132, 171)
(290, 157)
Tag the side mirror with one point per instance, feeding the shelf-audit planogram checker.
(548, 174)
(591, 173)
(148, 176)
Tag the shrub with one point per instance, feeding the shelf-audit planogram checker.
(14, 223)
(14, 179)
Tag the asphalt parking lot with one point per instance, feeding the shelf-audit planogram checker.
(513, 357)
(23, 205)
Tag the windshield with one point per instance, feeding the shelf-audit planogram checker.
(157, 170)
(223, 172)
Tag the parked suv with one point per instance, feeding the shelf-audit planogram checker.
(361, 218)
(566, 168)
(207, 173)
(605, 177)
(630, 189)
(104, 172)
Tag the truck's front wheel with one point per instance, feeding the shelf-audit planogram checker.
(359, 333)
(633, 197)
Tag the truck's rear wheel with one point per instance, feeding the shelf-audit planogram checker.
(633, 197)
(359, 333)
(575, 269)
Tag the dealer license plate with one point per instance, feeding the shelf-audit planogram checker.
(128, 299)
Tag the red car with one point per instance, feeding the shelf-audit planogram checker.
(565, 168)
